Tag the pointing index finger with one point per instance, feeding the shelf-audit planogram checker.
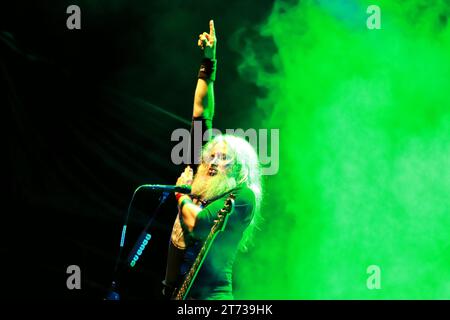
(212, 31)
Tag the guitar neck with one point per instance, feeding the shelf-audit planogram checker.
(193, 271)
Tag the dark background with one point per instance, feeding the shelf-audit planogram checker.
(88, 116)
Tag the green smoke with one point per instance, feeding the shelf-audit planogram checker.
(364, 118)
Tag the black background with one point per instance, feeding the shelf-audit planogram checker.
(88, 116)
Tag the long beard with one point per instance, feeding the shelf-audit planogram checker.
(208, 187)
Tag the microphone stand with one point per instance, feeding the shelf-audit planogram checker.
(138, 248)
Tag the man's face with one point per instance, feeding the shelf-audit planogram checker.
(218, 161)
(213, 177)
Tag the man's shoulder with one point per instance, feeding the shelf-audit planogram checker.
(243, 195)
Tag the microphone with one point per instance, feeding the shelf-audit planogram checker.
(168, 188)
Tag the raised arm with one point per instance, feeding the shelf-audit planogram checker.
(203, 111)
(204, 92)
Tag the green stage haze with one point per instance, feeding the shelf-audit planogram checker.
(364, 175)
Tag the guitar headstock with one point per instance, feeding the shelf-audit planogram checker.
(229, 204)
(223, 213)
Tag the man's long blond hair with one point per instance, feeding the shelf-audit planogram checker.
(245, 171)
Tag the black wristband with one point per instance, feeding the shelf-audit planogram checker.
(208, 69)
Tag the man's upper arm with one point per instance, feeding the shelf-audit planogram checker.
(201, 124)
(239, 217)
